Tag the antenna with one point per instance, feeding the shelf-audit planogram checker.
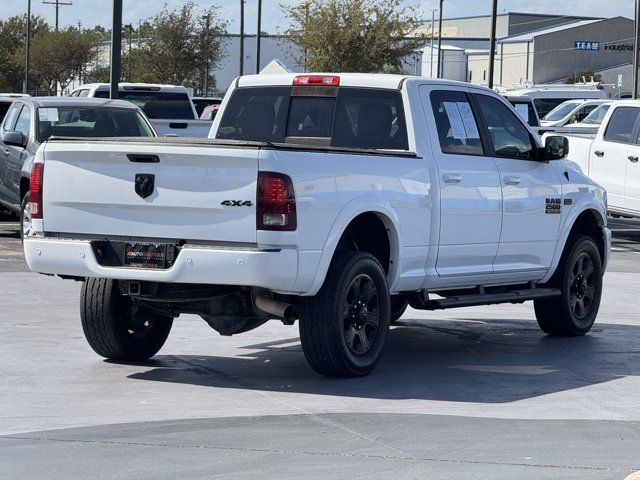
(57, 4)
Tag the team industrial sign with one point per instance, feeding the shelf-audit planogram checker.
(591, 46)
(583, 45)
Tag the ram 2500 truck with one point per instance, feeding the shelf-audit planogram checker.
(331, 199)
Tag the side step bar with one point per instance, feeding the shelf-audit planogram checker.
(420, 301)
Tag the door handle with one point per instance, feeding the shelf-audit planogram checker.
(633, 158)
(512, 180)
(452, 178)
(599, 153)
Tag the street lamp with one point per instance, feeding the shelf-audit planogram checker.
(25, 87)
(492, 42)
(433, 21)
(636, 50)
(439, 41)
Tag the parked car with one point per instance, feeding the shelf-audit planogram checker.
(332, 199)
(547, 97)
(610, 157)
(210, 112)
(168, 107)
(200, 103)
(593, 121)
(570, 112)
(31, 121)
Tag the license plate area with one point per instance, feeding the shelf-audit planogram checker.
(156, 256)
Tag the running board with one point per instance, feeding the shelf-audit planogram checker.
(421, 302)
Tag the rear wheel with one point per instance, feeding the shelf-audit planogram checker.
(343, 328)
(579, 278)
(115, 327)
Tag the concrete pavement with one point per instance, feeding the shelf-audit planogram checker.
(469, 393)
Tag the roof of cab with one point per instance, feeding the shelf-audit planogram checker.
(122, 85)
(370, 80)
(76, 102)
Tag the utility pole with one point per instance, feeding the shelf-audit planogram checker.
(241, 37)
(207, 26)
(116, 47)
(57, 4)
(433, 24)
(129, 28)
(492, 42)
(439, 41)
(258, 36)
(25, 87)
(636, 52)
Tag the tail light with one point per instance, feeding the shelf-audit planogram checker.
(35, 190)
(276, 202)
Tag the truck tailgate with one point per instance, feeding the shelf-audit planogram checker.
(199, 192)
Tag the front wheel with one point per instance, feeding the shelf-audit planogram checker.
(115, 327)
(343, 328)
(579, 278)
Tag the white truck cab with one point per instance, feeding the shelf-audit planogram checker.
(168, 107)
(332, 199)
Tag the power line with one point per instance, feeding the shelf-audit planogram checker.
(57, 4)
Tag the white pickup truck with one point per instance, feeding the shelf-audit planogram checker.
(330, 199)
(168, 107)
(610, 157)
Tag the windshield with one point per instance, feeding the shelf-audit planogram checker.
(164, 105)
(597, 116)
(561, 111)
(341, 117)
(91, 122)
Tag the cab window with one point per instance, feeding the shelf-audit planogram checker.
(622, 124)
(24, 121)
(509, 136)
(457, 126)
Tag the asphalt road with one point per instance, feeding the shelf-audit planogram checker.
(469, 393)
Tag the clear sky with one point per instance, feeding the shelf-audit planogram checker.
(91, 12)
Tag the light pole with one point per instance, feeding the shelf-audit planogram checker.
(116, 46)
(636, 52)
(433, 22)
(258, 36)
(207, 19)
(241, 37)
(492, 42)
(25, 87)
(439, 40)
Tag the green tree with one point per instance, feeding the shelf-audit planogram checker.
(58, 57)
(178, 46)
(353, 35)
(581, 76)
(13, 32)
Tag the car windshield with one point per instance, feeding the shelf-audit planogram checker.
(561, 111)
(161, 105)
(91, 122)
(597, 116)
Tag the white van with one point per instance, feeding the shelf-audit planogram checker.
(547, 97)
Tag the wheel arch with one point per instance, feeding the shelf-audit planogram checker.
(384, 245)
(25, 183)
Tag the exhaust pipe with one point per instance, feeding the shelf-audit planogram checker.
(283, 311)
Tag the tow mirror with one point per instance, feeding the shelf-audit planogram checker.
(556, 147)
(14, 138)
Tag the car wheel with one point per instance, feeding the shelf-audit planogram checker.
(579, 278)
(343, 328)
(117, 328)
(26, 223)
(399, 304)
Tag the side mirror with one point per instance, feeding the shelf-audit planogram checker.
(15, 139)
(556, 147)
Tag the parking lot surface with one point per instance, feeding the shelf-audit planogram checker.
(470, 393)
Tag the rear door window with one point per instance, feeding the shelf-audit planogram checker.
(622, 125)
(457, 126)
(347, 118)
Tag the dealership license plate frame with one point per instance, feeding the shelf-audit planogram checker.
(145, 255)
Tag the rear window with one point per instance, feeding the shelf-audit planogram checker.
(90, 122)
(349, 118)
(622, 124)
(163, 105)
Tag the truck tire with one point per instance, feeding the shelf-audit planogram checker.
(579, 278)
(399, 304)
(343, 328)
(115, 327)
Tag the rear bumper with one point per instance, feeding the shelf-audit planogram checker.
(271, 269)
